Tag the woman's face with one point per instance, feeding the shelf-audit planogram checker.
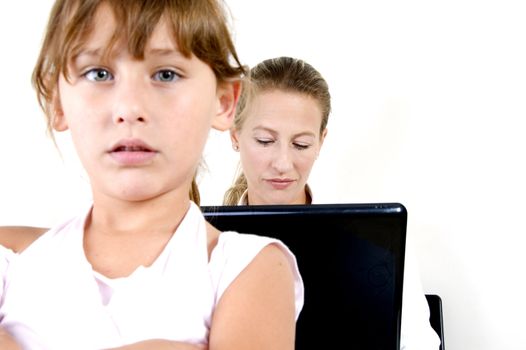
(279, 142)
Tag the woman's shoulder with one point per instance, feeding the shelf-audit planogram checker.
(17, 238)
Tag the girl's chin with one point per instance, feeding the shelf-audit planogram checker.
(131, 193)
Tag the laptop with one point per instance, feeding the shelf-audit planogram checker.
(351, 258)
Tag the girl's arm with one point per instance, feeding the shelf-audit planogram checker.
(7, 342)
(257, 311)
(159, 344)
(17, 238)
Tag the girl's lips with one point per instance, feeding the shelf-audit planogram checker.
(132, 152)
(133, 158)
(131, 145)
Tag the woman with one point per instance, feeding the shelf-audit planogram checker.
(279, 130)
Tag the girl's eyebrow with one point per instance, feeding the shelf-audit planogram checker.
(89, 52)
(159, 52)
(163, 52)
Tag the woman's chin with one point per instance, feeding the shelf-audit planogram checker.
(282, 199)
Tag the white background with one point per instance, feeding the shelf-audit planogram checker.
(429, 101)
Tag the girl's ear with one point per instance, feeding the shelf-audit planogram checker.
(59, 122)
(228, 96)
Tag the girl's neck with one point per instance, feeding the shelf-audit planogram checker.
(117, 217)
(120, 236)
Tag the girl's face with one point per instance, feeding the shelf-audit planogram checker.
(139, 126)
(279, 142)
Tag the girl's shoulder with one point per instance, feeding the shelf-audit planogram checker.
(18, 238)
(234, 252)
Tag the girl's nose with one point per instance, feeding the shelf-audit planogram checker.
(130, 104)
(128, 118)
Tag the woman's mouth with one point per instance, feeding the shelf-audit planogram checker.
(280, 184)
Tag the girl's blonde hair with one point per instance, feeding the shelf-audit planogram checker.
(286, 74)
(199, 27)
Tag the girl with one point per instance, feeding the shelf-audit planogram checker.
(139, 84)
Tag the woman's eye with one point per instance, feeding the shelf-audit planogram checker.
(98, 74)
(300, 146)
(264, 142)
(165, 75)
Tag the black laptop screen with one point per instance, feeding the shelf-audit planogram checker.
(351, 258)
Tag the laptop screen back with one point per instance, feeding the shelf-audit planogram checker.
(351, 259)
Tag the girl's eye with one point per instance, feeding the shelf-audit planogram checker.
(165, 75)
(300, 146)
(264, 142)
(98, 74)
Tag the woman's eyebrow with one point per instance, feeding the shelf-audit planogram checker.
(264, 128)
(305, 133)
(274, 132)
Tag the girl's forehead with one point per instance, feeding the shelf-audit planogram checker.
(106, 35)
(103, 28)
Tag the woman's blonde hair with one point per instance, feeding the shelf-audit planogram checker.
(199, 27)
(286, 74)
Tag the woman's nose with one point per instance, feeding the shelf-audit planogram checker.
(283, 161)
